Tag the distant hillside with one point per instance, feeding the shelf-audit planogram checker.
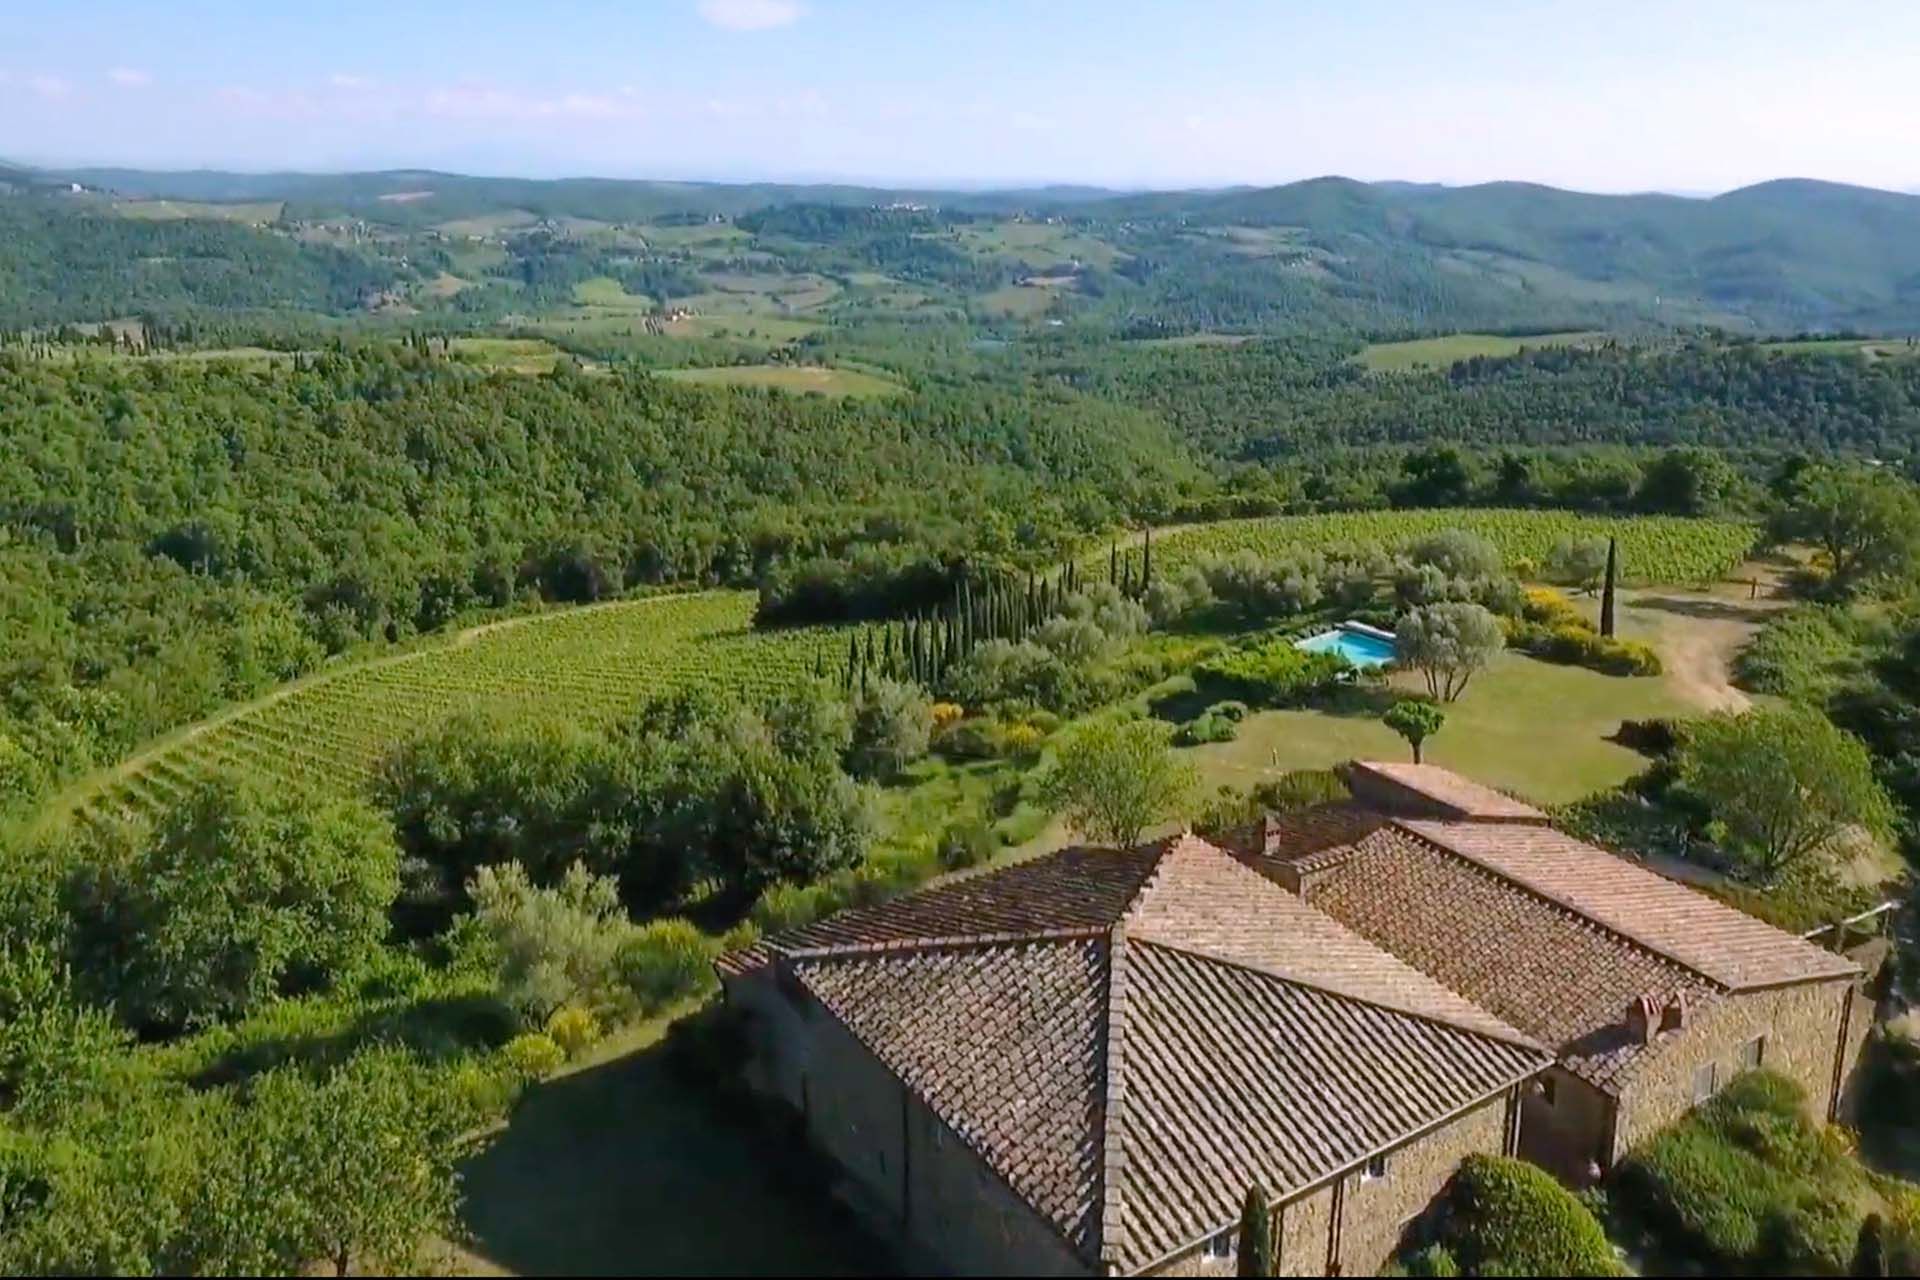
(1329, 253)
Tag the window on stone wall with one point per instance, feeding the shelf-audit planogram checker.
(1752, 1053)
(1220, 1245)
(1546, 1090)
(1706, 1079)
(1375, 1170)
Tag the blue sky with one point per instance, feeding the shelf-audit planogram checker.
(1604, 95)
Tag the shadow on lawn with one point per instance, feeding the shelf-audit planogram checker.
(1712, 610)
(622, 1169)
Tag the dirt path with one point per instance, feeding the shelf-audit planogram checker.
(1699, 633)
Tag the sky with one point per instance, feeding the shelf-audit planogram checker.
(1602, 95)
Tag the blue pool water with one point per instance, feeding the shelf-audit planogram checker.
(1357, 647)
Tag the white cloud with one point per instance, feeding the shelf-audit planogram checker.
(128, 78)
(342, 80)
(751, 15)
(49, 86)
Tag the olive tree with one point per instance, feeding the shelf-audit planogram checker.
(1867, 524)
(1448, 643)
(1113, 780)
(1580, 563)
(1784, 783)
(1415, 721)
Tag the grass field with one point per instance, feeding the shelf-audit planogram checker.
(1871, 348)
(1532, 727)
(1653, 549)
(807, 379)
(604, 291)
(1019, 301)
(1438, 353)
(512, 355)
(1039, 244)
(255, 212)
(591, 664)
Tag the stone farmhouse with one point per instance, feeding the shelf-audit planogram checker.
(1078, 1065)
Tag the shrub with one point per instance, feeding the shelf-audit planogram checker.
(945, 713)
(1549, 608)
(1796, 654)
(1272, 674)
(892, 722)
(1506, 1217)
(665, 961)
(1302, 789)
(1022, 739)
(965, 843)
(1458, 554)
(574, 1029)
(547, 947)
(1218, 723)
(533, 1055)
(1658, 738)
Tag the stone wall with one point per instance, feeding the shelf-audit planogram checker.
(1564, 1125)
(1801, 1026)
(1374, 1212)
(913, 1180)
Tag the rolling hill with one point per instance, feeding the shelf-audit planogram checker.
(1787, 256)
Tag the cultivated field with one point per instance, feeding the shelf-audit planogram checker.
(591, 664)
(256, 212)
(813, 379)
(1653, 549)
(1438, 353)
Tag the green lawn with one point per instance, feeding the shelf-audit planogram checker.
(1438, 353)
(605, 291)
(815, 379)
(620, 1168)
(1527, 726)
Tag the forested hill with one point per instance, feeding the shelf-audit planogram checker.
(1329, 253)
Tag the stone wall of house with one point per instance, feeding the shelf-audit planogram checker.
(1564, 1124)
(1801, 1027)
(913, 1181)
(1375, 1212)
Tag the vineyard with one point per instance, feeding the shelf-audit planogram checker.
(588, 665)
(1665, 550)
(595, 663)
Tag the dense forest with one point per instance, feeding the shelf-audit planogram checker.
(177, 536)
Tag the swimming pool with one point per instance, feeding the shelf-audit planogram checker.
(1360, 645)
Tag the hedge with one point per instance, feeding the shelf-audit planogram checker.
(1507, 1217)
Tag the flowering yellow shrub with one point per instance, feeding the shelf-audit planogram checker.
(1022, 738)
(533, 1055)
(945, 713)
(1551, 608)
(573, 1029)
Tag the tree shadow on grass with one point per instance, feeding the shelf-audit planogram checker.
(623, 1169)
(1712, 610)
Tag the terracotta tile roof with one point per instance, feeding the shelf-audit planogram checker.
(1542, 968)
(1073, 889)
(1003, 1043)
(1204, 902)
(1172, 1028)
(1234, 1075)
(1720, 942)
(1443, 791)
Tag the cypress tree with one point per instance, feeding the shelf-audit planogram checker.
(1256, 1235)
(1146, 562)
(1126, 581)
(853, 660)
(1113, 565)
(1606, 592)
(869, 661)
(1870, 1249)
(887, 667)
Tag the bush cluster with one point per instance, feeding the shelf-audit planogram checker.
(1272, 674)
(1750, 1183)
(1549, 627)
(1505, 1217)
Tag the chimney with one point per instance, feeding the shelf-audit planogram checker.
(1644, 1019)
(1674, 1016)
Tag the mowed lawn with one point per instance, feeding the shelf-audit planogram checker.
(815, 379)
(620, 1168)
(1531, 727)
(1438, 353)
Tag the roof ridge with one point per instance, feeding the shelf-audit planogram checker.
(1341, 991)
(1111, 1197)
(942, 942)
(1554, 900)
